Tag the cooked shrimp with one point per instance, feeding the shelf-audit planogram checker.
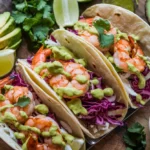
(73, 69)
(40, 56)
(93, 38)
(43, 123)
(12, 95)
(128, 52)
(7, 80)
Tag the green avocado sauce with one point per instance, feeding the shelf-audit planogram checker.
(58, 139)
(3, 108)
(23, 114)
(68, 138)
(80, 61)
(68, 91)
(146, 59)
(20, 136)
(52, 131)
(9, 118)
(42, 109)
(99, 93)
(121, 35)
(83, 26)
(142, 81)
(24, 146)
(53, 67)
(76, 106)
(8, 87)
(2, 97)
(94, 81)
(81, 79)
(139, 99)
(61, 53)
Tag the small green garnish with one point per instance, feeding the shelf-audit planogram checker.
(105, 40)
(135, 137)
(23, 101)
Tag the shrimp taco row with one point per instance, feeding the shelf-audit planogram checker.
(30, 119)
(68, 70)
(124, 39)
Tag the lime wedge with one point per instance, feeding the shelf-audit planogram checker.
(7, 60)
(66, 12)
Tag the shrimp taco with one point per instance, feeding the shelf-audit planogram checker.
(75, 76)
(30, 119)
(123, 38)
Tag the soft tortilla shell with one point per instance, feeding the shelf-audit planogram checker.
(126, 21)
(95, 63)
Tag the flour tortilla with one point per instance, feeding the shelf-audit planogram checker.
(95, 63)
(127, 22)
(65, 119)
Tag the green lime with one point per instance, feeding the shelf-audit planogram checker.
(7, 60)
(66, 12)
(128, 4)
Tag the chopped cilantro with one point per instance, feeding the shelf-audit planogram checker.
(101, 26)
(35, 18)
(135, 137)
(23, 101)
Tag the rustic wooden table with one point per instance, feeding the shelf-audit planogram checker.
(114, 140)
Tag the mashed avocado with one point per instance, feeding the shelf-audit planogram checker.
(68, 138)
(20, 136)
(94, 81)
(97, 93)
(76, 106)
(142, 81)
(62, 53)
(69, 91)
(8, 87)
(42, 109)
(108, 91)
(58, 140)
(2, 97)
(81, 79)
(23, 114)
(82, 26)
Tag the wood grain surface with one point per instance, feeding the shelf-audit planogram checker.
(114, 140)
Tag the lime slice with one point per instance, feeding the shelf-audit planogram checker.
(66, 12)
(7, 60)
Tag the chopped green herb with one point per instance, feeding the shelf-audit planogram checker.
(135, 137)
(23, 101)
(35, 18)
(102, 25)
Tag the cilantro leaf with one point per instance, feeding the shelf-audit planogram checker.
(30, 22)
(106, 40)
(101, 26)
(128, 140)
(136, 128)
(40, 32)
(23, 101)
(135, 138)
(19, 17)
(20, 6)
(41, 5)
(46, 12)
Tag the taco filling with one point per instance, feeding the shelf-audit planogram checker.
(83, 91)
(34, 125)
(124, 53)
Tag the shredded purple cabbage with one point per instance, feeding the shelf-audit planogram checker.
(81, 17)
(29, 59)
(17, 80)
(53, 39)
(73, 31)
(145, 93)
(98, 110)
